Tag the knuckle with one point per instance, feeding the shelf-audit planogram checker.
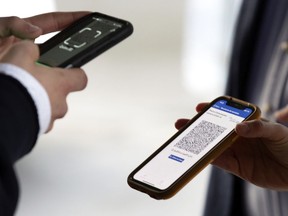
(25, 47)
(258, 124)
(79, 80)
(64, 110)
(61, 111)
(84, 79)
(13, 20)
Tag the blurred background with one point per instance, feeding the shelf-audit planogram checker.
(176, 58)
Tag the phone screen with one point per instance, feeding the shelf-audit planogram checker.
(192, 144)
(78, 39)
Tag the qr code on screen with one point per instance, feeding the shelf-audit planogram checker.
(200, 137)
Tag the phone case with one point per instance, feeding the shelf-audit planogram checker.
(91, 51)
(197, 168)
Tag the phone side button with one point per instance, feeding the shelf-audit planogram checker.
(69, 66)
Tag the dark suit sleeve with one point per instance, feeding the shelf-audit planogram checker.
(18, 134)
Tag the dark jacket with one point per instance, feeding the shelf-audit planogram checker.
(18, 128)
(255, 42)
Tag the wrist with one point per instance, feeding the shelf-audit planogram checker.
(36, 91)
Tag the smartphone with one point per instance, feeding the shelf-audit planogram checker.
(82, 41)
(192, 148)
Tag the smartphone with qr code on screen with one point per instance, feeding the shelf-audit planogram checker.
(192, 148)
(82, 41)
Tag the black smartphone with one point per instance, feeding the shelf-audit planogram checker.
(192, 148)
(82, 41)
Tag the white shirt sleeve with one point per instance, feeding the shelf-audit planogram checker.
(35, 89)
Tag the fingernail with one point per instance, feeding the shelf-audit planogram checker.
(32, 28)
(242, 128)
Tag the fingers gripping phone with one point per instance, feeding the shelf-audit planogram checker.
(82, 41)
(192, 148)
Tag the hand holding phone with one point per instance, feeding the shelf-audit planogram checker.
(192, 148)
(82, 41)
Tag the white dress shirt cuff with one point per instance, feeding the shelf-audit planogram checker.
(35, 89)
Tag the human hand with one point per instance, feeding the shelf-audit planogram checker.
(13, 29)
(259, 155)
(57, 82)
(282, 115)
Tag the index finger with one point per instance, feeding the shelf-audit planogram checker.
(17, 54)
(77, 79)
(181, 123)
(201, 106)
(262, 129)
(55, 21)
